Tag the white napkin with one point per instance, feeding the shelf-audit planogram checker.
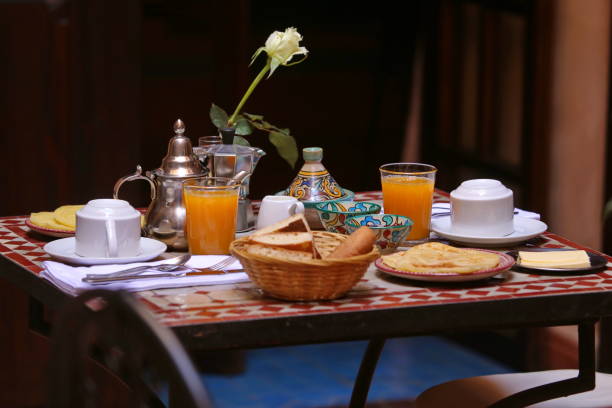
(69, 278)
(438, 208)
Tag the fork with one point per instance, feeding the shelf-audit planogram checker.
(222, 264)
(169, 266)
(168, 270)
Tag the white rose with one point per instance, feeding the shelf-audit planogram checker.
(281, 47)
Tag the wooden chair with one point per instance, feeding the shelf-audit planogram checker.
(476, 392)
(581, 387)
(118, 332)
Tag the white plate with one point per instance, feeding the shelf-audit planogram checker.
(63, 250)
(524, 229)
(505, 263)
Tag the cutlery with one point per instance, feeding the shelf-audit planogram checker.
(222, 264)
(185, 271)
(169, 266)
(175, 268)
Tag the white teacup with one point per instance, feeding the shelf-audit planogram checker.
(107, 228)
(275, 208)
(482, 207)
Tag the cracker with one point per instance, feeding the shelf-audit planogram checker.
(66, 215)
(46, 219)
(434, 257)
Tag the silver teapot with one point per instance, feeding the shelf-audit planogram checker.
(165, 217)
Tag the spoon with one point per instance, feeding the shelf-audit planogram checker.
(237, 179)
(169, 266)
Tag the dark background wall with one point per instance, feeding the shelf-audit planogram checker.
(94, 87)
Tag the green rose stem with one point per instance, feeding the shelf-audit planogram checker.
(255, 82)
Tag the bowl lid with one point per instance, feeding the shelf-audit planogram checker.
(106, 207)
(313, 182)
(481, 189)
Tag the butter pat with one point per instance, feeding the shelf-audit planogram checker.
(554, 259)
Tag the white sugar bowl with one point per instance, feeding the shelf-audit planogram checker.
(482, 207)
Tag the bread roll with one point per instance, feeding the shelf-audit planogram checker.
(359, 242)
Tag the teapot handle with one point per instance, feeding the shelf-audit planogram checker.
(131, 177)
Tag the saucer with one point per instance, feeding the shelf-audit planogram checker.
(524, 229)
(63, 250)
(505, 263)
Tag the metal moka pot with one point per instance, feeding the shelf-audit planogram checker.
(165, 217)
(227, 160)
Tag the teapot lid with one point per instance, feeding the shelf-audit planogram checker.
(180, 161)
(233, 150)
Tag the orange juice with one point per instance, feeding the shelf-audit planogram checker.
(410, 196)
(210, 223)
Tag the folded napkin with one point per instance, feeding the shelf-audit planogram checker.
(438, 208)
(69, 278)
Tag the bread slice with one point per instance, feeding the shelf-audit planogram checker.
(297, 241)
(282, 253)
(295, 223)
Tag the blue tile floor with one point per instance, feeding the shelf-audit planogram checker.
(321, 375)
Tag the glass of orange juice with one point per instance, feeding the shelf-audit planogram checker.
(408, 190)
(211, 204)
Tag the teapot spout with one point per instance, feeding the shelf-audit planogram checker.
(257, 154)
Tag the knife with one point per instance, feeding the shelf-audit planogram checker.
(101, 279)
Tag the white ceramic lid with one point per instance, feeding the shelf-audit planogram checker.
(106, 207)
(481, 189)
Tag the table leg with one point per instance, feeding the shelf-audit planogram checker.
(36, 317)
(604, 365)
(366, 370)
(584, 382)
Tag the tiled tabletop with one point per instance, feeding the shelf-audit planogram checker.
(243, 301)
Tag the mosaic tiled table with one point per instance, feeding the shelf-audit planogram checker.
(378, 307)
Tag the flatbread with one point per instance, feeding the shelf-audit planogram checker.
(434, 257)
(66, 215)
(46, 219)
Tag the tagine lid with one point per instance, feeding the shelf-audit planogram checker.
(313, 182)
(180, 161)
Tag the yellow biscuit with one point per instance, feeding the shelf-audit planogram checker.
(66, 215)
(434, 257)
(46, 219)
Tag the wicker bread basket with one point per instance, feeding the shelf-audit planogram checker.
(316, 279)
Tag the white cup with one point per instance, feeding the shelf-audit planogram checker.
(482, 207)
(107, 228)
(275, 208)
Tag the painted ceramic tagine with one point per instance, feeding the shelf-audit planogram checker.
(313, 184)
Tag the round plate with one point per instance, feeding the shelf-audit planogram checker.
(598, 263)
(49, 231)
(505, 263)
(524, 229)
(63, 250)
